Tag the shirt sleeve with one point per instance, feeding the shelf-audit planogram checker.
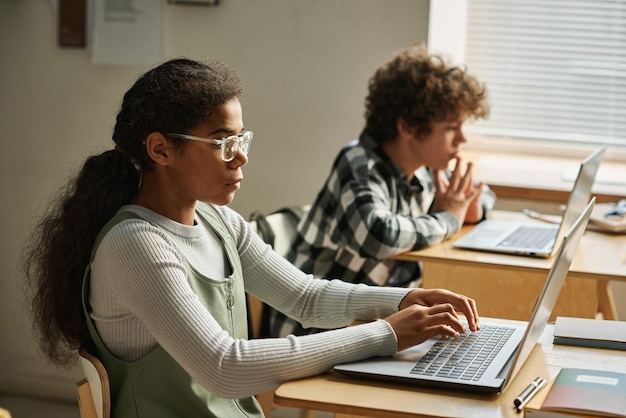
(149, 281)
(487, 200)
(319, 303)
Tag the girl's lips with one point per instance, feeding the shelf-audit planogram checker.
(235, 185)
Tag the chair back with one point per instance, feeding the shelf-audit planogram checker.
(279, 228)
(94, 396)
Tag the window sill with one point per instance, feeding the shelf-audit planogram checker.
(542, 178)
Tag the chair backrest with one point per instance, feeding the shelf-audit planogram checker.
(279, 228)
(94, 396)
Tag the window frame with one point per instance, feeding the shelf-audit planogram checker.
(447, 24)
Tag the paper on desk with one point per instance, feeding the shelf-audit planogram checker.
(609, 223)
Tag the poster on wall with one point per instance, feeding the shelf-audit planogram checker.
(127, 32)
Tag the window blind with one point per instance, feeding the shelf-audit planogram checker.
(555, 70)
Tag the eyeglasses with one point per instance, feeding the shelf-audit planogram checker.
(229, 145)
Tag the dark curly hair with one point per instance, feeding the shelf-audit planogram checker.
(175, 96)
(420, 89)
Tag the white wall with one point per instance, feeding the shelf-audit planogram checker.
(305, 65)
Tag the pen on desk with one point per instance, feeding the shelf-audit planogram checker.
(528, 393)
(539, 216)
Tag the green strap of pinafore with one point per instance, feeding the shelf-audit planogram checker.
(156, 386)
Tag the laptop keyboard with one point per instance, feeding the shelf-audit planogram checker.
(528, 237)
(465, 357)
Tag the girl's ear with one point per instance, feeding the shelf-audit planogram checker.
(159, 148)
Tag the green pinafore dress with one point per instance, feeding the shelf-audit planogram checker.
(156, 386)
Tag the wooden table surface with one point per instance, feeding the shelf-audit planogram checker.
(506, 286)
(350, 397)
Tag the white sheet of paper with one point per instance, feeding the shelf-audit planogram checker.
(127, 32)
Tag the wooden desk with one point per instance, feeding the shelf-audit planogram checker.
(507, 286)
(350, 398)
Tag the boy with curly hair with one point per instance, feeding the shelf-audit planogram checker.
(390, 191)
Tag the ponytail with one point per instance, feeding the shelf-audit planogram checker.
(60, 247)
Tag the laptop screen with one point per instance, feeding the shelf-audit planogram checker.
(552, 288)
(581, 192)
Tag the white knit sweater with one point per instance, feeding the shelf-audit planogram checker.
(140, 298)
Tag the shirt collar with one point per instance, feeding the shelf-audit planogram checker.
(410, 186)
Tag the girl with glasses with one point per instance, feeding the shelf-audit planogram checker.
(141, 261)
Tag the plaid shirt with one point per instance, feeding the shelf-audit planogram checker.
(367, 212)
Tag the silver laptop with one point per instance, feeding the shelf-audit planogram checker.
(534, 239)
(435, 363)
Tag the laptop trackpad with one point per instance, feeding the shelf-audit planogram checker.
(489, 232)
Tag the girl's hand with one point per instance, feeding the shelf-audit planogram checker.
(416, 323)
(433, 297)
